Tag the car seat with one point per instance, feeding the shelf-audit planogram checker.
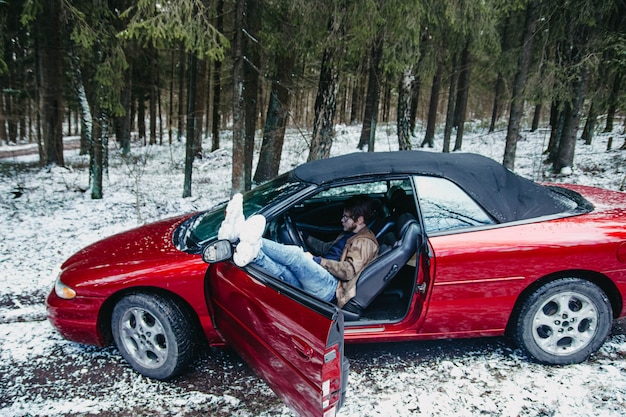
(397, 202)
(397, 247)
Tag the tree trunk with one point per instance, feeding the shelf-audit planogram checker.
(217, 84)
(152, 104)
(497, 99)
(556, 127)
(429, 137)
(86, 121)
(22, 107)
(463, 95)
(276, 120)
(358, 90)
(536, 117)
(123, 122)
(170, 118)
(97, 152)
(576, 72)
(613, 102)
(11, 118)
(251, 69)
(238, 170)
(517, 99)
(181, 93)
(447, 131)
(415, 95)
(386, 102)
(404, 110)
(590, 124)
(3, 129)
(141, 114)
(51, 72)
(159, 111)
(200, 110)
(216, 118)
(11, 122)
(567, 144)
(325, 106)
(8, 81)
(372, 98)
(191, 124)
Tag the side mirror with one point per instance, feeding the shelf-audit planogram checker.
(217, 252)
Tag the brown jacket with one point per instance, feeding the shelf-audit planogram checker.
(360, 250)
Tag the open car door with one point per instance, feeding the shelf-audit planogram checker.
(291, 340)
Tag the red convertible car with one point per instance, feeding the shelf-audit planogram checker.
(467, 249)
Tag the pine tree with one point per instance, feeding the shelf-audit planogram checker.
(517, 100)
(50, 67)
(186, 23)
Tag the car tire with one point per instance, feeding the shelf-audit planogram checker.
(154, 334)
(563, 322)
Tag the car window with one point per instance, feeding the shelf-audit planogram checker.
(405, 184)
(320, 214)
(369, 188)
(193, 233)
(445, 206)
(266, 194)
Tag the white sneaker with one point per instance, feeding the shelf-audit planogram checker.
(233, 220)
(246, 252)
(253, 228)
(249, 240)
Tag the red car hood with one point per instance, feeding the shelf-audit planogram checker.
(145, 244)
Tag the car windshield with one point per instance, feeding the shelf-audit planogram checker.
(194, 233)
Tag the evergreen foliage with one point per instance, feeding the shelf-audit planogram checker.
(439, 62)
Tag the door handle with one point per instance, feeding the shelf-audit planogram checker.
(302, 348)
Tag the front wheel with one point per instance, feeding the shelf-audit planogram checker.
(563, 322)
(154, 334)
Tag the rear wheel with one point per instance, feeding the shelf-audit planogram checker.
(563, 322)
(154, 334)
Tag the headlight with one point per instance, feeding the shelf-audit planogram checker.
(62, 290)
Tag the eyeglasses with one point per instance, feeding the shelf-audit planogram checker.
(345, 217)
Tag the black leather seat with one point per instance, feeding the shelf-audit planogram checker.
(396, 249)
(397, 202)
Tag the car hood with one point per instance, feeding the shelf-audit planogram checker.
(146, 243)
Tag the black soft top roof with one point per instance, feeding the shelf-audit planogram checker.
(503, 194)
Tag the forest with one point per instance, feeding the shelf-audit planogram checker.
(148, 72)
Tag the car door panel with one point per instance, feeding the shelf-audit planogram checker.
(476, 284)
(296, 346)
(479, 277)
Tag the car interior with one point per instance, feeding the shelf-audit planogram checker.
(386, 285)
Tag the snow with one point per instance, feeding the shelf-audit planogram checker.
(43, 374)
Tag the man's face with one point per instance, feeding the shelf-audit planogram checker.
(348, 222)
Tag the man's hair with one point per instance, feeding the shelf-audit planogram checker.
(360, 205)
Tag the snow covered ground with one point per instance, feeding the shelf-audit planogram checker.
(46, 215)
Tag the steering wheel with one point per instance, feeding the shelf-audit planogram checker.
(292, 231)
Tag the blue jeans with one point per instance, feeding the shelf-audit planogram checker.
(289, 263)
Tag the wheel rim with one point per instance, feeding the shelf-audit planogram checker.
(144, 337)
(565, 323)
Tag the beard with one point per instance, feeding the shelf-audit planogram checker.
(349, 227)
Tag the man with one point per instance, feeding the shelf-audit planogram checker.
(332, 273)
